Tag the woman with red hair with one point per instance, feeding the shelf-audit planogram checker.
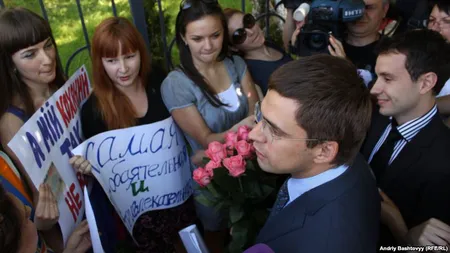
(126, 93)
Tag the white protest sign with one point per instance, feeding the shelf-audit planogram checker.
(93, 230)
(141, 168)
(43, 146)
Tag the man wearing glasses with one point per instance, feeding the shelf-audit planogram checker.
(311, 125)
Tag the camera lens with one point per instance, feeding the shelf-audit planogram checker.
(317, 41)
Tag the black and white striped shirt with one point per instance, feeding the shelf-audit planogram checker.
(407, 130)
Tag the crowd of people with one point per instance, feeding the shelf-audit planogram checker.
(365, 160)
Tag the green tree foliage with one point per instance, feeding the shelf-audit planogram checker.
(154, 32)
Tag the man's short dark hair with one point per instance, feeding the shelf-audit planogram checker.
(334, 104)
(425, 51)
(443, 5)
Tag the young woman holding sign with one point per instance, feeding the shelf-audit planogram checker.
(29, 76)
(127, 93)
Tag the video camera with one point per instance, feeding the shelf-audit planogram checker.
(325, 17)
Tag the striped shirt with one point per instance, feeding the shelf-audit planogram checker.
(407, 130)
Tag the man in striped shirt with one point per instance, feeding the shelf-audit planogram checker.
(408, 144)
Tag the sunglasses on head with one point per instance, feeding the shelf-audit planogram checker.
(240, 35)
(186, 4)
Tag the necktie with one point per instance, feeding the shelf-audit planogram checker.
(282, 199)
(380, 160)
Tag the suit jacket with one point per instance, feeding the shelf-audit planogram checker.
(418, 180)
(341, 215)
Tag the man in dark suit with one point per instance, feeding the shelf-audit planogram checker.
(311, 125)
(408, 145)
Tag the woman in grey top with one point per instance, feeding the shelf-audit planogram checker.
(209, 94)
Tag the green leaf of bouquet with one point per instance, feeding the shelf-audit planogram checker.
(238, 197)
(240, 239)
(205, 160)
(267, 190)
(236, 213)
(213, 190)
(254, 189)
(205, 200)
(226, 182)
(250, 165)
(235, 246)
(220, 205)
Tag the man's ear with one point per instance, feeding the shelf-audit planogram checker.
(326, 152)
(427, 82)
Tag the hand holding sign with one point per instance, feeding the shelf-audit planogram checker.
(47, 213)
(80, 164)
(43, 147)
(141, 169)
(79, 241)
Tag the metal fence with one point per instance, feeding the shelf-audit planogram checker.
(139, 19)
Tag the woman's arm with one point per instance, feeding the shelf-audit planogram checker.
(249, 89)
(192, 123)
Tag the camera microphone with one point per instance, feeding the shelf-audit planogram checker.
(301, 12)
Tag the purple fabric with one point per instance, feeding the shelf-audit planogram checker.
(259, 248)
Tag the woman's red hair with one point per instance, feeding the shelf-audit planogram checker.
(115, 107)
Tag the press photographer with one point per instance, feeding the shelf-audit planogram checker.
(326, 19)
(359, 32)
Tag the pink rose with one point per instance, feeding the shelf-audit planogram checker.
(235, 165)
(244, 149)
(202, 177)
(230, 139)
(211, 165)
(216, 151)
(243, 132)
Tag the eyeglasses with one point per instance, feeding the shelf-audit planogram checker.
(268, 131)
(240, 35)
(443, 22)
(186, 4)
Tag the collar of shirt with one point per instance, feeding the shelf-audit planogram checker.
(298, 186)
(410, 129)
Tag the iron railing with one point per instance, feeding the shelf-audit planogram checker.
(139, 20)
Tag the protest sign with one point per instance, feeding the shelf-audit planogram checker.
(43, 147)
(93, 230)
(141, 168)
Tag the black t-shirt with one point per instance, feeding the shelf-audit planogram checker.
(93, 124)
(363, 57)
(261, 70)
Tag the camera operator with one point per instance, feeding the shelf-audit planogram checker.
(361, 35)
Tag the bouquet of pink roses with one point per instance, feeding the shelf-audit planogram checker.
(237, 185)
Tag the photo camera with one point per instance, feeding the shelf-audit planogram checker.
(325, 17)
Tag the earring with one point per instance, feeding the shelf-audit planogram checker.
(15, 70)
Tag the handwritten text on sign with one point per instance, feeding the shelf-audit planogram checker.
(43, 146)
(141, 168)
